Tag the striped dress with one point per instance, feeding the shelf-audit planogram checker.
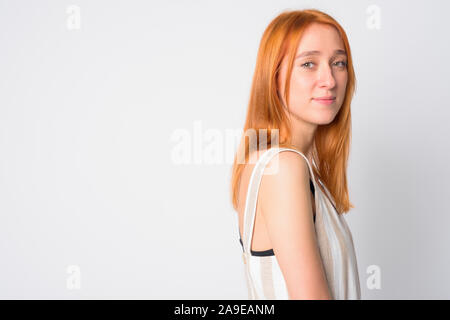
(262, 271)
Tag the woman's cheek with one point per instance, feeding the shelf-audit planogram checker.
(302, 84)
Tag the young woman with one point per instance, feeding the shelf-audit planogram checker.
(296, 243)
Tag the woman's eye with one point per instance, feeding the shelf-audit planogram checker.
(305, 65)
(309, 64)
(343, 63)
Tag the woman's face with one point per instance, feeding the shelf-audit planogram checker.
(318, 74)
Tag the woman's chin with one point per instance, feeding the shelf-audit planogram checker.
(325, 119)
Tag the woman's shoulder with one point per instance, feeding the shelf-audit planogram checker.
(285, 190)
(288, 158)
(285, 176)
(287, 167)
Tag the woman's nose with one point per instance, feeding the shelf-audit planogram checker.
(326, 77)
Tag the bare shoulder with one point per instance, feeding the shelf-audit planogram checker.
(287, 211)
(286, 174)
(284, 190)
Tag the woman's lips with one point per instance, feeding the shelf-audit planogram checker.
(325, 101)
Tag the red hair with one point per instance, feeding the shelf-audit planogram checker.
(265, 109)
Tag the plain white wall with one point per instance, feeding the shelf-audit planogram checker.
(95, 111)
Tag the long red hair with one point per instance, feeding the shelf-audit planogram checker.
(265, 109)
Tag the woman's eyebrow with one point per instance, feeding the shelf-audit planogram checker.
(318, 53)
